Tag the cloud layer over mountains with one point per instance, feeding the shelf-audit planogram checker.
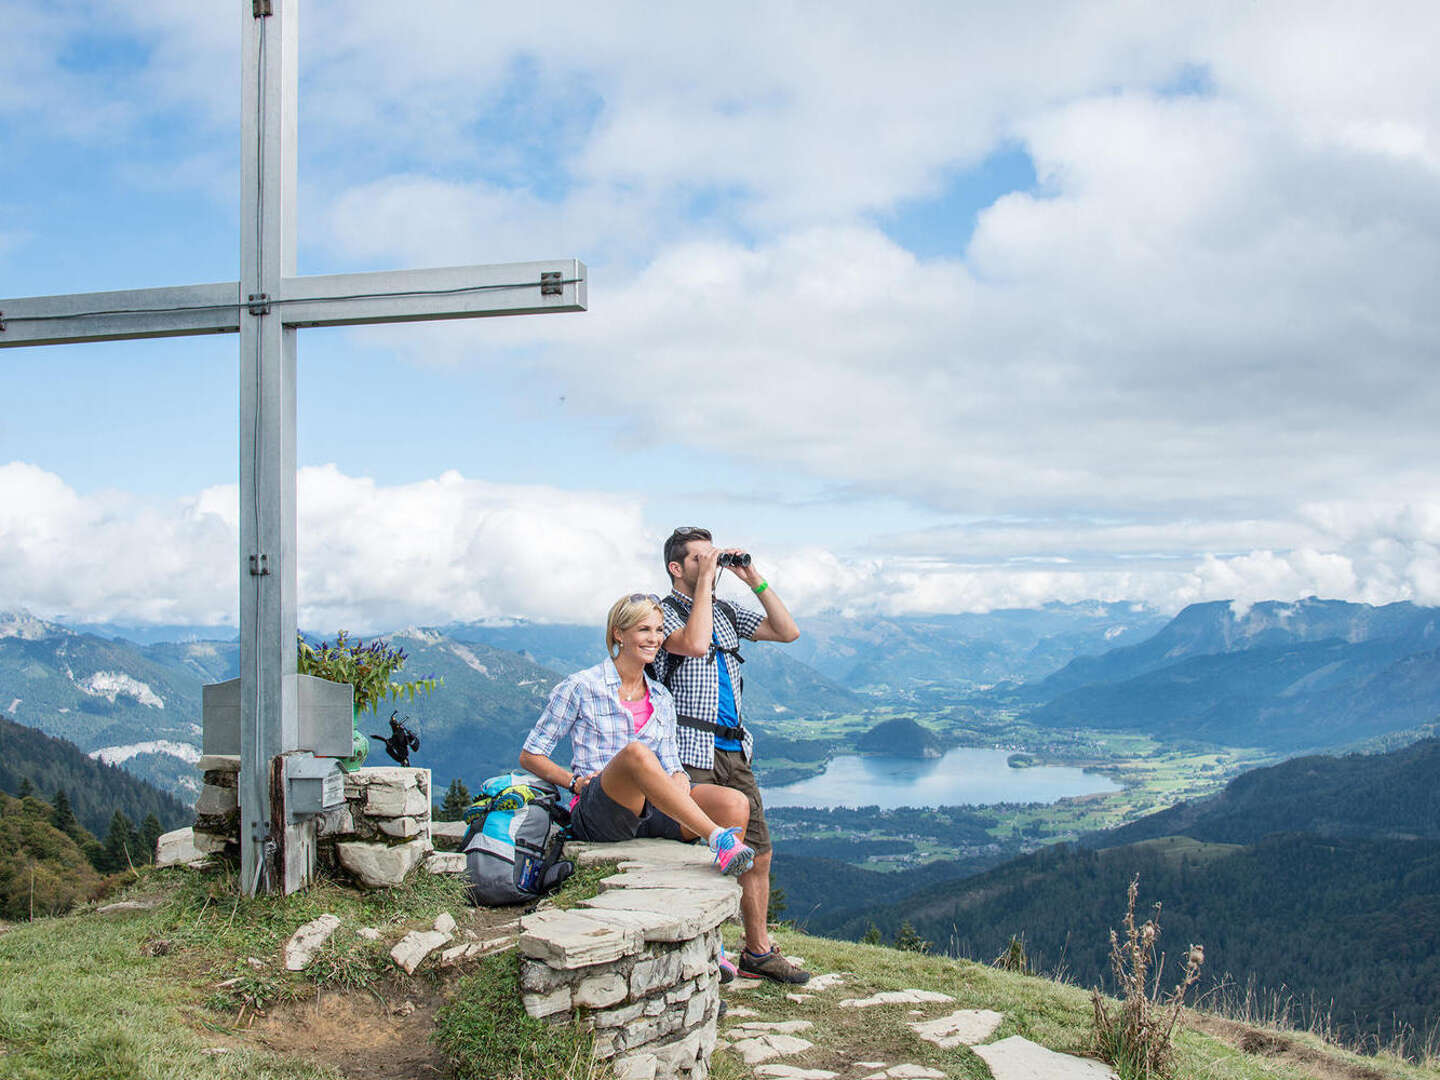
(451, 548)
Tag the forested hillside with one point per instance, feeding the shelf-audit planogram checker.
(1318, 878)
(1395, 795)
(95, 790)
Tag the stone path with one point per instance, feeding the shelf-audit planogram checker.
(760, 1042)
(1020, 1059)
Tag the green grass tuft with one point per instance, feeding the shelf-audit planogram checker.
(487, 1035)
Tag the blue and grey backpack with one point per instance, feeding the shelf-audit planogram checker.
(515, 840)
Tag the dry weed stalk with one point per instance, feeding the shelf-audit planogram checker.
(1137, 1037)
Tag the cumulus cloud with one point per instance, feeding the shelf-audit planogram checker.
(378, 557)
(371, 556)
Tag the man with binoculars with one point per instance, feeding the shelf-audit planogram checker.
(700, 663)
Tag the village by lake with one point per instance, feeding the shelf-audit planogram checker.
(962, 776)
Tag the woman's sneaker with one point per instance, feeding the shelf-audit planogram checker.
(771, 965)
(731, 855)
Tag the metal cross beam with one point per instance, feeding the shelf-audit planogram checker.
(266, 307)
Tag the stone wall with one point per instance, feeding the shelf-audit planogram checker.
(217, 810)
(637, 963)
(379, 836)
(383, 830)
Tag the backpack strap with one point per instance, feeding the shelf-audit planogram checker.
(664, 677)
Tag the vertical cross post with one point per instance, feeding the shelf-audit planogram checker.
(270, 860)
(267, 306)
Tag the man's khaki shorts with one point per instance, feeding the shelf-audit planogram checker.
(733, 771)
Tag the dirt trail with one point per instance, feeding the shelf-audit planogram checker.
(358, 1034)
(1282, 1046)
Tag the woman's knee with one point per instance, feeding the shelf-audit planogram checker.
(635, 755)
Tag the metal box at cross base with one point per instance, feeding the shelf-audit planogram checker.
(314, 785)
(326, 717)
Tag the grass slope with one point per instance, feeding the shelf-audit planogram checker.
(194, 987)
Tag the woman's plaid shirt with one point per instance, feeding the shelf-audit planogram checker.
(586, 706)
(695, 681)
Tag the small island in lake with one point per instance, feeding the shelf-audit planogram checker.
(1022, 761)
(901, 737)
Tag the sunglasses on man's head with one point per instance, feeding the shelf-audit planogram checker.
(636, 597)
(691, 532)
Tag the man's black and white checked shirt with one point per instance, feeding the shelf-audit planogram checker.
(694, 681)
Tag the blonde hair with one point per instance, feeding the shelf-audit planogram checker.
(625, 613)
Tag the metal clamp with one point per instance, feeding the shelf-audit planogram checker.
(259, 303)
(552, 283)
(2, 322)
(261, 8)
(259, 565)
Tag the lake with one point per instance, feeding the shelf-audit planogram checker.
(963, 775)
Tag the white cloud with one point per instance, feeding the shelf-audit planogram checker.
(376, 557)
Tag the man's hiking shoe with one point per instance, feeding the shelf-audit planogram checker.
(773, 966)
(732, 856)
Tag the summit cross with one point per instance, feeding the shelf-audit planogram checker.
(266, 307)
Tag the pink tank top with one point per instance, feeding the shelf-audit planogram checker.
(641, 710)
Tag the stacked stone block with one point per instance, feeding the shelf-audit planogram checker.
(638, 963)
(217, 810)
(383, 830)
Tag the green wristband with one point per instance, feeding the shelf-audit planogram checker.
(758, 589)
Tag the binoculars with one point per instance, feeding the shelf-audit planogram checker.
(729, 559)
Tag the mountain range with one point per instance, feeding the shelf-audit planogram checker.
(1287, 677)
(1313, 674)
(138, 703)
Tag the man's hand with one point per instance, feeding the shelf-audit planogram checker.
(750, 575)
(708, 559)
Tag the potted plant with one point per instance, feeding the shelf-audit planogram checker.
(369, 669)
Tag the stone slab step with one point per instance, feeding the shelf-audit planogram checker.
(645, 852)
(696, 912)
(1017, 1058)
(965, 1027)
(571, 939)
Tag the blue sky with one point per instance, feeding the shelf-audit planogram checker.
(951, 309)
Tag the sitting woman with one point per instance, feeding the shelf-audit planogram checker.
(625, 767)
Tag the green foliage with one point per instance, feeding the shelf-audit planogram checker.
(42, 870)
(368, 668)
(901, 737)
(908, 940)
(487, 1035)
(1014, 957)
(778, 902)
(64, 819)
(122, 848)
(150, 833)
(872, 936)
(457, 798)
